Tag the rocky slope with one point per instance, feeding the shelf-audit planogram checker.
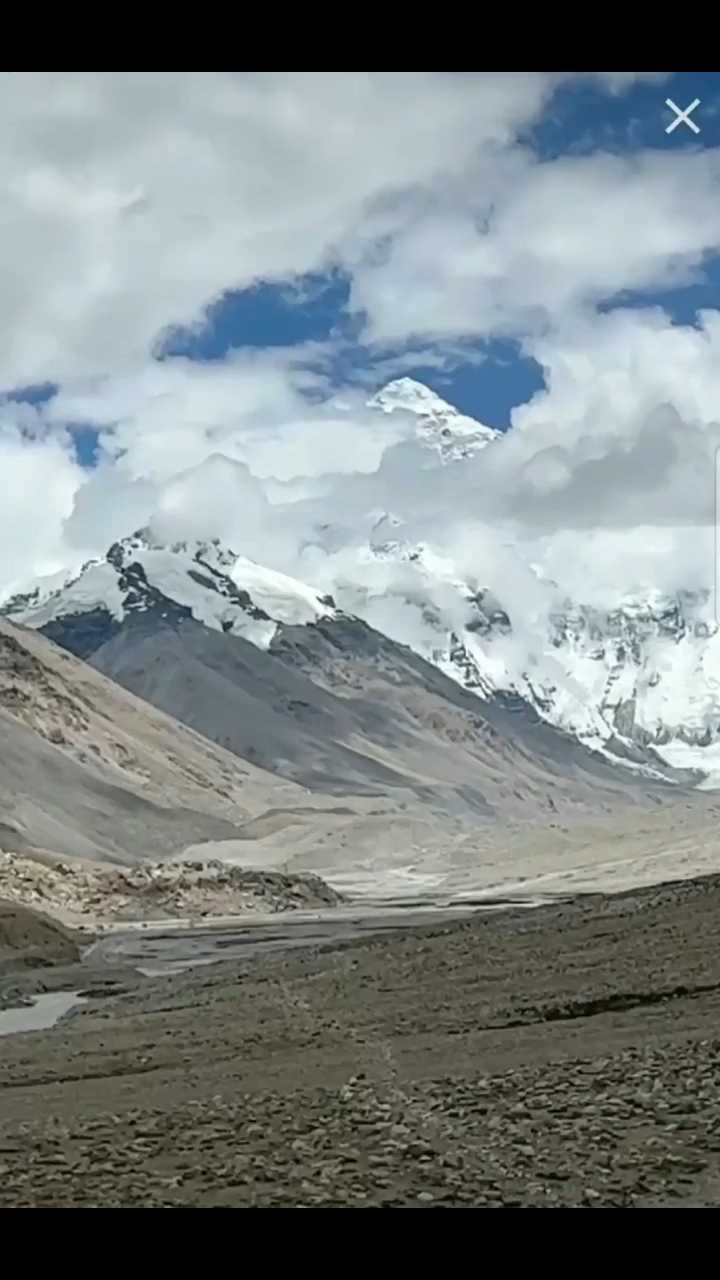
(327, 701)
(406, 771)
(87, 769)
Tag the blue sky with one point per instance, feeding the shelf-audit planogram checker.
(579, 120)
(495, 376)
(586, 119)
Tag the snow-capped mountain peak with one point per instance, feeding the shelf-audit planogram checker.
(638, 680)
(140, 575)
(644, 674)
(439, 425)
(211, 551)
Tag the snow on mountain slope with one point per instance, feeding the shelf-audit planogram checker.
(286, 599)
(202, 580)
(439, 425)
(644, 673)
(633, 682)
(650, 667)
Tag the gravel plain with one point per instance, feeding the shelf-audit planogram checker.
(567, 1055)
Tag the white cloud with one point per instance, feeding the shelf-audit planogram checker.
(516, 243)
(605, 478)
(627, 429)
(132, 201)
(265, 408)
(39, 478)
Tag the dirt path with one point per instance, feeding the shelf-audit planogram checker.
(568, 1055)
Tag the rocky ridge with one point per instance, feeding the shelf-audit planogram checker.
(83, 893)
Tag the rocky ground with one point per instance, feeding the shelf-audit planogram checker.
(568, 1055)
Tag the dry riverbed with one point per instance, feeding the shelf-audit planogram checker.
(564, 1055)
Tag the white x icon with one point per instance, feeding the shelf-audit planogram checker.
(682, 117)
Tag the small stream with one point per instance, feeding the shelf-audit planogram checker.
(172, 947)
(44, 1012)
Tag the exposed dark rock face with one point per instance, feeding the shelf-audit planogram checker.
(82, 633)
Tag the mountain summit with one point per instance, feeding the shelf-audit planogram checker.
(440, 425)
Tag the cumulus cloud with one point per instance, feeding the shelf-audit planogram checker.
(517, 242)
(628, 425)
(137, 198)
(39, 478)
(133, 201)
